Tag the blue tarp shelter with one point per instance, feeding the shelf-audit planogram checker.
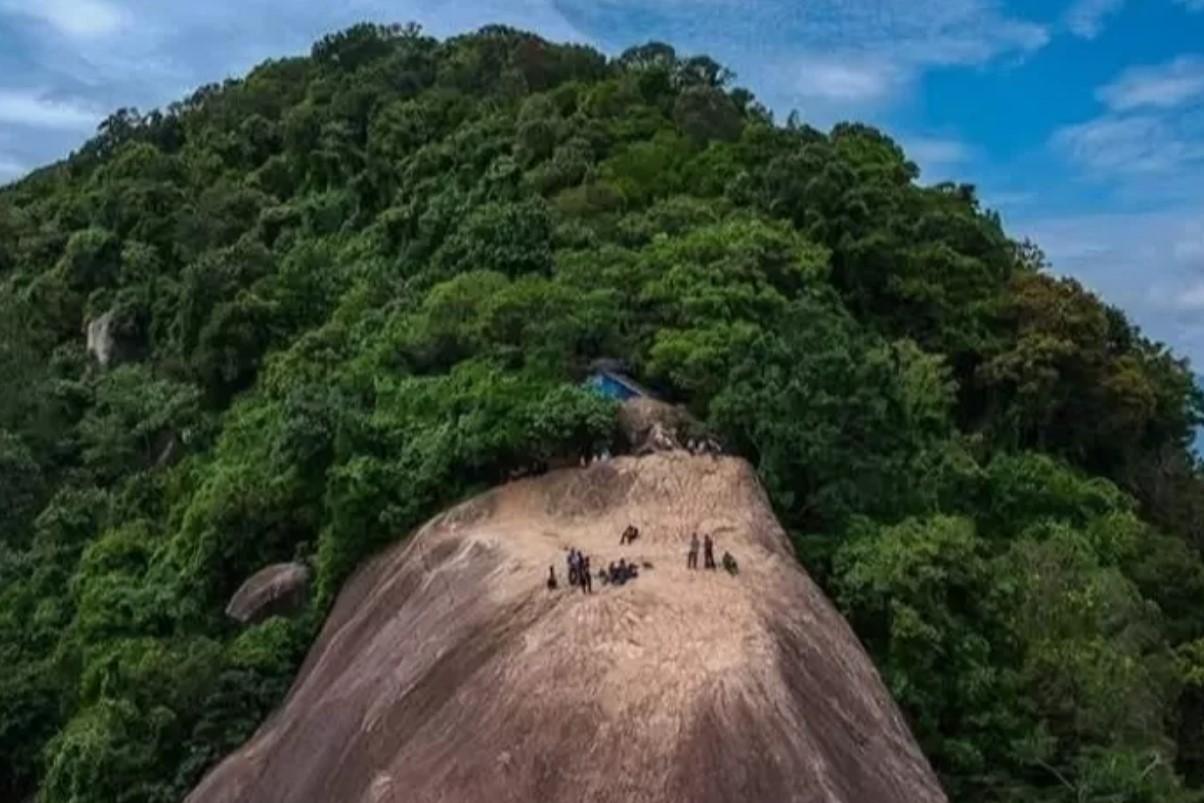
(617, 385)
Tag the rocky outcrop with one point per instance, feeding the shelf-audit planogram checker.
(278, 590)
(107, 343)
(447, 671)
(648, 425)
(102, 344)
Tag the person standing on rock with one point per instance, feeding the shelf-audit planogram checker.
(552, 578)
(586, 579)
(692, 555)
(708, 552)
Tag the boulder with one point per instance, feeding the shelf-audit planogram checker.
(649, 425)
(278, 590)
(102, 343)
(109, 343)
(448, 672)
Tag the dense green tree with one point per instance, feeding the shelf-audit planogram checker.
(352, 288)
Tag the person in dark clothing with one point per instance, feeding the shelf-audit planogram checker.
(708, 552)
(692, 555)
(573, 563)
(587, 579)
(729, 563)
(613, 570)
(552, 578)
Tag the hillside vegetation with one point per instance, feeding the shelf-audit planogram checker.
(355, 287)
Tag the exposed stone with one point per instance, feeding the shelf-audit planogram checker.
(102, 344)
(649, 425)
(278, 590)
(448, 673)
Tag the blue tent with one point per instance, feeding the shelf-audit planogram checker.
(616, 385)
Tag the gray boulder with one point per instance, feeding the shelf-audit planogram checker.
(102, 342)
(278, 590)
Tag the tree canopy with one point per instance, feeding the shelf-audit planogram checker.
(349, 289)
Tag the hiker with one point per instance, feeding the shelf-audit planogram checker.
(729, 563)
(572, 566)
(630, 534)
(587, 579)
(552, 578)
(692, 555)
(708, 552)
(613, 571)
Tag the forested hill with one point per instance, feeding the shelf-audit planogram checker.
(349, 289)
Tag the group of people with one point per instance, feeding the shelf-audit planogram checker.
(708, 555)
(579, 571)
(619, 573)
(708, 550)
(696, 446)
(580, 576)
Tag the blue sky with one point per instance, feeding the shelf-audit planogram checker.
(1081, 121)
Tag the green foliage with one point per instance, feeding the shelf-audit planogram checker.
(352, 288)
(133, 419)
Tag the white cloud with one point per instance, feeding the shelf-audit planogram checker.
(1134, 144)
(1164, 86)
(939, 158)
(1086, 17)
(1150, 138)
(38, 110)
(1191, 298)
(846, 80)
(936, 151)
(74, 18)
(831, 59)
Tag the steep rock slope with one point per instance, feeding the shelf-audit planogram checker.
(448, 672)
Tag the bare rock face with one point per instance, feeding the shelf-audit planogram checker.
(108, 344)
(649, 425)
(449, 673)
(102, 343)
(274, 591)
